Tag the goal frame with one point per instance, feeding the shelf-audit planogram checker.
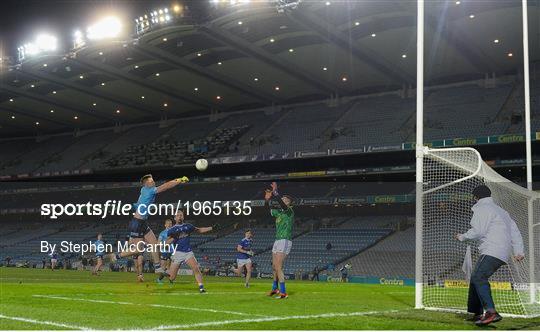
(422, 150)
(471, 173)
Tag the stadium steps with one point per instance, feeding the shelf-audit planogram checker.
(509, 105)
(85, 159)
(367, 248)
(34, 236)
(58, 154)
(274, 124)
(327, 132)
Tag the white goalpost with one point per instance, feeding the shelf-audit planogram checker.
(445, 179)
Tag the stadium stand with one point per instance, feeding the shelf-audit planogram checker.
(372, 121)
(168, 151)
(347, 237)
(310, 249)
(300, 129)
(446, 109)
(366, 120)
(392, 257)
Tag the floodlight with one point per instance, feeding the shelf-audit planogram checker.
(78, 39)
(43, 43)
(109, 27)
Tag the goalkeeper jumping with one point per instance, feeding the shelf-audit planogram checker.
(499, 236)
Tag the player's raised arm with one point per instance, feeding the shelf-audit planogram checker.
(202, 230)
(171, 184)
(281, 200)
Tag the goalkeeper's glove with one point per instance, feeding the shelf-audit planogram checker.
(183, 179)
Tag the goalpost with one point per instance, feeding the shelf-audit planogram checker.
(445, 179)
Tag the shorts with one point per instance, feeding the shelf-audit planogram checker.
(180, 257)
(53, 260)
(165, 256)
(243, 261)
(138, 228)
(100, 255)
(283, 246)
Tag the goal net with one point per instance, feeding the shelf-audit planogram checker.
(449, 177)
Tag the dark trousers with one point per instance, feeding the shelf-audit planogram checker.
(479, 288)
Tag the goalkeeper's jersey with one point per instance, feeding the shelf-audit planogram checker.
(284, 223)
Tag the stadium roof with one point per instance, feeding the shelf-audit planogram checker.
(254, 56)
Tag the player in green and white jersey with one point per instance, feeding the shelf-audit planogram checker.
(282, 246)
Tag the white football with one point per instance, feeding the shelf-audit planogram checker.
(201, 164)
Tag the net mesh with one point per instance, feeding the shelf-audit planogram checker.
(450, 175)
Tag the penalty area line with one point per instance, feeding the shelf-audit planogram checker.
(271, 319)
(44, 322)
(148, 305)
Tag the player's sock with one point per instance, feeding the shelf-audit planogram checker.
(274, 285)
(282, 288)
(117, 255)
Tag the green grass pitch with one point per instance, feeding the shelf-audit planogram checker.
(44, 299)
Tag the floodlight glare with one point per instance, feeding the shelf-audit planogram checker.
(78, 39)
(109, 27)
(43, 43)
(46, 42)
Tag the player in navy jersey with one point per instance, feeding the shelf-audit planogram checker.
(53, 256)
(100, 252)
(138, 226)
(243, 258)
(165, 255)
(179, 235)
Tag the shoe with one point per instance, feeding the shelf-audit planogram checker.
(282, 296)
(140, 278)
(159, 281)
(273, 292)
(247, 285)
(488, 318)
(202, 290)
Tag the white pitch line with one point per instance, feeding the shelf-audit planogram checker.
(269, 319)
(44, 322)
(148, 304)
(211, 293)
